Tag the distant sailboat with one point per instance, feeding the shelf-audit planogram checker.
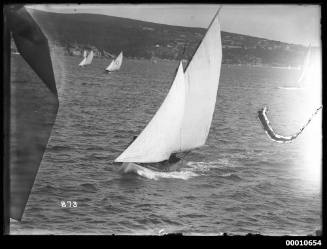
(116, 63)
(82, 63)
(87, 58)
(183, 121)
(303, 79)
(305, 67)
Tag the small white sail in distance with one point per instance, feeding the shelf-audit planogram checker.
(84, 58)
(82, 63)
(88, 59)
(168, 131)
(116, 63)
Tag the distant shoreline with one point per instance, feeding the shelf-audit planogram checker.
(287, 67)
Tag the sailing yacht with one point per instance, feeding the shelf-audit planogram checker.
(116, 63)
(306, 66)
(183, 121)
(87, 58)
(302, 82)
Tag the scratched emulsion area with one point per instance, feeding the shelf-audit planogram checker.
(241, 182)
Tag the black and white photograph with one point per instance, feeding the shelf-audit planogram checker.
(158, 119)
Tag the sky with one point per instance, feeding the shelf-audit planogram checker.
(297, 24)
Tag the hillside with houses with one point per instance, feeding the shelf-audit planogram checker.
(71, 34)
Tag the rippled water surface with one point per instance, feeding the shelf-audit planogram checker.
(240, 182)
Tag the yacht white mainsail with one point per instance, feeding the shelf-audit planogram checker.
(87, 59)
(116, 63)
(184, 118)
(202, 79)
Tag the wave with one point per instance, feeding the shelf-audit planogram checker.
(231, 176)
(40, 231)
(155, 175)
(58, 148)
(132, 168)
(291, 88)
(203, 166)
(189, 170)
(192, 215)
(88, 187)
(47, 189)
(222, 168)
(223, 164)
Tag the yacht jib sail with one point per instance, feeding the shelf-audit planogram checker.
(183, 120)
(87, 59)
(161, 136)
(116, 63)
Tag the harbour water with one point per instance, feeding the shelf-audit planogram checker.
(240, 182)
